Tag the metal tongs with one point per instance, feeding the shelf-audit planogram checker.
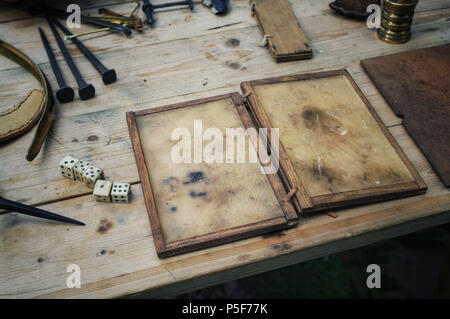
(36, 212)
(44, 8)
(132, 21)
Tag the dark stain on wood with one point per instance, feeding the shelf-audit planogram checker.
(243, 257)
(92, 138)
(194, 177)
(195, 194)
(232, 42)
(209, 56)
(282, 247)
(233, 65)
(274, 234)
(315, 118)
(105, 226)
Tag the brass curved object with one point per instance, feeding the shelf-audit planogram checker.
(36, 105)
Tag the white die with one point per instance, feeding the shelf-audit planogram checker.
(121, 193)
(102, 191)
(66, 166)
(91, 175)
(79, 169)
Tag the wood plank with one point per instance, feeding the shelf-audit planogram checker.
(116, 254)
(416, 85)
(172, 27)
(244, 62)
(281, 29)
(168, 26)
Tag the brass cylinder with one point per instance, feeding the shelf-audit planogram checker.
(396, 20)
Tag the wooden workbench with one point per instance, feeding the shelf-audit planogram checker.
(186, 56)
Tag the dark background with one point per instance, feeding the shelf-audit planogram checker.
(412, 266)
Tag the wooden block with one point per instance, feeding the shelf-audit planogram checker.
(285, 38)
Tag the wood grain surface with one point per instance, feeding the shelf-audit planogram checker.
(279, 25)
(186, 56)
(416, 85)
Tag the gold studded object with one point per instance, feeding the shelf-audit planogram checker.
(396, 21)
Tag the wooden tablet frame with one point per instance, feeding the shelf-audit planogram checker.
(165, 249)
(302, 201)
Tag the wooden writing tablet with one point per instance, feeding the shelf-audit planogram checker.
(334, 148)
(197, 205)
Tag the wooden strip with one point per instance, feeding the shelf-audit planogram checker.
(146, 187)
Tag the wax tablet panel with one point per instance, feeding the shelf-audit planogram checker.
(332, 140)
(194, 199)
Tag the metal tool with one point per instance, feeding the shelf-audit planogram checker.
(65, 93)
(85, 90)
(70, 37)
(131, 21)
(396, 20)
(148, 8)
(216, 6)
(108, 75)
(86, 19)
(36, 212)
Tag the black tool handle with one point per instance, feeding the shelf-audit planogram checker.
(173, 4)
(87, 53)
(36, 212)
(51, 57)
(76, 73)
(106, 24)
(148, 10)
